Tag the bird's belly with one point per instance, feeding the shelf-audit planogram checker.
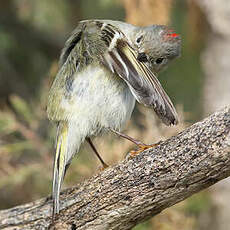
(99, 100)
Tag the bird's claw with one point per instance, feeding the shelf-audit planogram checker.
(141, 148)
(103, 167)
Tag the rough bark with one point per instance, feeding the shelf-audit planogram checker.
(140, 187)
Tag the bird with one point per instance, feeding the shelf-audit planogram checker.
(104, 68)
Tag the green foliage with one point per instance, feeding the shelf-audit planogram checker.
(198, 203)
(22, 108)
(143, 226)
(6, 40)
(7, 122)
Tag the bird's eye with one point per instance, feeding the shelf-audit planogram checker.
(159, 61)
(139, 39)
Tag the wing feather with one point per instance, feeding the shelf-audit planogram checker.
(122, 59)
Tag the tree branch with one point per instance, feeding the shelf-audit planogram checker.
(139, 188)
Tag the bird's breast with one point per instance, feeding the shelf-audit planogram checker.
(99, 98)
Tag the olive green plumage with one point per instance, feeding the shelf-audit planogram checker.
(105, 66)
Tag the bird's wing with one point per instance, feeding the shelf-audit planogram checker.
(71, 63)
(72, 41)
(122, 60)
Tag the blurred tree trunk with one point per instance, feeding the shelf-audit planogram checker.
(146, 12)
(216, 92)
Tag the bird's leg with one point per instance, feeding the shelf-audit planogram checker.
(141, 146)
(135, 141)
(96, 152)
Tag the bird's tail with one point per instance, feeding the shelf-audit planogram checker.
(60, 163)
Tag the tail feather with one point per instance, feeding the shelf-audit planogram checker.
(59, 164)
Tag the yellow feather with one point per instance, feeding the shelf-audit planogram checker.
(59, 164)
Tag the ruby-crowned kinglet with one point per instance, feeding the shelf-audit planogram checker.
(105, 67)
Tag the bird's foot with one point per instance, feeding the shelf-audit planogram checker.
(142, 147)
(103, 167)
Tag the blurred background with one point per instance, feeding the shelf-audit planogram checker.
(32, 34)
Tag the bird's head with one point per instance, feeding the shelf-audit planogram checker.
(157, 45)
